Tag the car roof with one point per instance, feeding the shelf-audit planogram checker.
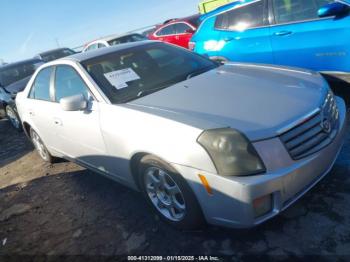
(18, 63)
(53, 50)
(111, 37)
(177, 20)
(81, 57)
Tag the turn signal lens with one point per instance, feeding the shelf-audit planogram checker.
(206, 184)
(262, 205)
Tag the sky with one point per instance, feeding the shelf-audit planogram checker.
(32, 26)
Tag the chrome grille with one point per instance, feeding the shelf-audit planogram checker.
(314, 133)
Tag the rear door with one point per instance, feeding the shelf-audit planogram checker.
(40, 107)
(183, 34)
(300, 38)
(244, 33)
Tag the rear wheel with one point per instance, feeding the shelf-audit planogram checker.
(40, 147)
(169, 194)
(13, 117)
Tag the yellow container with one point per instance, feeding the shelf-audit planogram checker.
(206, 6)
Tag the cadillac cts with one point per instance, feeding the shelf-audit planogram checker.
(231, 145)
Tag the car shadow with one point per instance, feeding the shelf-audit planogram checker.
(13, 144)
(340, 87)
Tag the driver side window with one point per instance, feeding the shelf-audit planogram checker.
(69, 83)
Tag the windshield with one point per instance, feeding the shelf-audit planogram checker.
(127, 39)
(47, 57)
(12, 74)
(131, 73)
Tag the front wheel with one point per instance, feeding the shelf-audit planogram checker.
(13, 117)
(169, 194)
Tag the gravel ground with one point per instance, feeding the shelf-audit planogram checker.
(63, 209)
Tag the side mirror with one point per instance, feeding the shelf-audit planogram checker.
(73, 103)
(333, 9)
(190, 31)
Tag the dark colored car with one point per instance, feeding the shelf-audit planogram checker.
(13, 79)
(55, 54)
(176, 31)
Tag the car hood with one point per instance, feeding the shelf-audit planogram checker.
(258, 100)
(18, 86)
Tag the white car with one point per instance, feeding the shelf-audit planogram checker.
(233, 145)
(113, 40)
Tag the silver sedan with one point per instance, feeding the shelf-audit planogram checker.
(230, 145)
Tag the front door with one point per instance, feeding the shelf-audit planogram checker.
(78, 132)
(41, 106)
(300, 38)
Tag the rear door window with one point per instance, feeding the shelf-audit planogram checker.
(168, 30)
(92, 47)
(182, 28)
(41, 87)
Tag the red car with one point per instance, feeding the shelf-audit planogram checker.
(176, 31)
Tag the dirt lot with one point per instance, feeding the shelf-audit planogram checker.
(63, 209)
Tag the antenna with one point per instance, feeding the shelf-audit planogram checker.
(57, 43)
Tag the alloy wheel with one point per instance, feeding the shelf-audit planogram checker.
(39, 146)
(165, 194)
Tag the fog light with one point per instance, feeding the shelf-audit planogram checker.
(262, 205)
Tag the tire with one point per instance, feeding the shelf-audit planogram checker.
(40, 147)
(11, 114)
(169, 194)
(2, 110)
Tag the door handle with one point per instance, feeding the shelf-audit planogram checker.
(283, 33)
(228, 39)
(31, 113)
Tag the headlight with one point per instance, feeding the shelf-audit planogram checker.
(231, 152)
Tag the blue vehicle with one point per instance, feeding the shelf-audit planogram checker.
(313, 34)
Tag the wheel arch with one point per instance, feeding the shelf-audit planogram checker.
(135, 161)
(134, 167)
(26, 128)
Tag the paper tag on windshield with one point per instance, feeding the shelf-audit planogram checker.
(119, 78)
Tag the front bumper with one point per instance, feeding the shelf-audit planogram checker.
(286, 180)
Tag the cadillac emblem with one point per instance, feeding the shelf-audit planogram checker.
(326, 126)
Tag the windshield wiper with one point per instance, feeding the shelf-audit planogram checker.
(149, 91)
(200, 71)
